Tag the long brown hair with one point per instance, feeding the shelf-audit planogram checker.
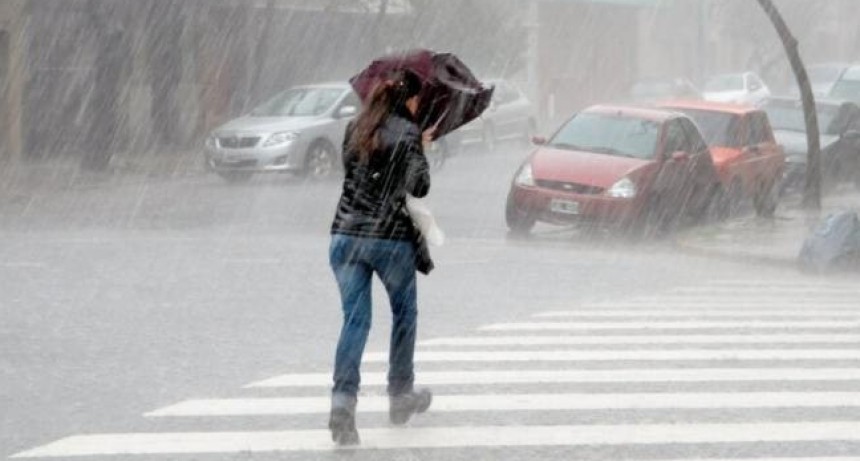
(387, 97)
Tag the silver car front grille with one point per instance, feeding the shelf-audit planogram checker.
(237, 142)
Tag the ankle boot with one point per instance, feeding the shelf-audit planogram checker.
(403, 406)
(341, 423)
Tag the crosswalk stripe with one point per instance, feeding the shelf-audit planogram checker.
(431, 378)
(708, 305)
(687, 307)
(820, 285)
(638, 340)
(665, 324)
(723, 314)
(729, 300)
(707, 293)
(846, 290)
(626, 355)
(447, 437)
(521, 402)
(824, 458)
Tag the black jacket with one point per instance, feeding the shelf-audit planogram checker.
(374, 194)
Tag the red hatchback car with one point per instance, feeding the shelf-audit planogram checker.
(748, 159)
(616, 166)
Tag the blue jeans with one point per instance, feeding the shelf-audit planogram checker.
(354, 260)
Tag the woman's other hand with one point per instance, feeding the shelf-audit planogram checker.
(427, 136)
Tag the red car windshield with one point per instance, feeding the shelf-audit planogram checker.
(609, 134)
(719, 129)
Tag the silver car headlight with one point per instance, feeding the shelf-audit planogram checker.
(623, 188)
(211, 142)
(525, 176)
(281, 138)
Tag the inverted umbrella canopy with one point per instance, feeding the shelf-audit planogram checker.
(451, 96)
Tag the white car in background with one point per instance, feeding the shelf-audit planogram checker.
(300, 130)
(740, 88)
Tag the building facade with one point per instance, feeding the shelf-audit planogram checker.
(91, 77)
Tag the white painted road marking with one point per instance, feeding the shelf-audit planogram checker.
(740, 308)
(446, 437)
(658, 325)
(768, 290)
(580, 376)
(763, 300)
(639, 340)
(702, 306)
(521, 402)
(630, 355)
(721, 314)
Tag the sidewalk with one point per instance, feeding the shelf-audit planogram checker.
(65, 173)
(769, 241)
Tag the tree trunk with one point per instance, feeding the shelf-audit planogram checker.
(812, 187)
(261, 52)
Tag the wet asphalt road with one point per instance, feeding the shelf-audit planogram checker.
(125, 296)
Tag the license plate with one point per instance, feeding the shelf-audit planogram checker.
(564, 206)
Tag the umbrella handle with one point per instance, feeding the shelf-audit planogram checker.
(441, 117)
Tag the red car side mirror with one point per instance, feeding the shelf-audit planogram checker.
(538, 140)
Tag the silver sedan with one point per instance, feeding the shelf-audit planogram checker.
(300, 131)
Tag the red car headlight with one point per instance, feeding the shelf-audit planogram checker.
(623, 188)
(525, 177)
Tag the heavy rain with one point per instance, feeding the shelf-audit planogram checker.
(646, 242)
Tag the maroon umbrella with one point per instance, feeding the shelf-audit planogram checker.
(451, 95)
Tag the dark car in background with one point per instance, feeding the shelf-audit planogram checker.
(616, 166)
(839, 125)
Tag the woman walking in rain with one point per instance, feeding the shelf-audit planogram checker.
(384, 161)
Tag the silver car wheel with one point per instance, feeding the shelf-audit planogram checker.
(320, 161)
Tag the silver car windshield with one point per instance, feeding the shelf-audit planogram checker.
(609, 134)
(846, 89)
(299, 102)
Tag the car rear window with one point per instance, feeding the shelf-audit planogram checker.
(609, 134)
(759, 129)
(718, 128)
